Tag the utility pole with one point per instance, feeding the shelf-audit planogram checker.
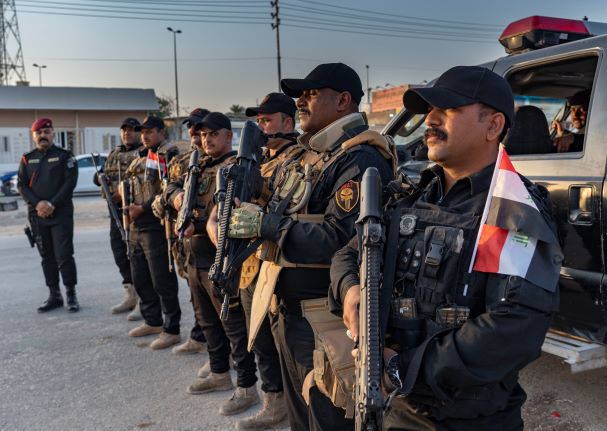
(275, 26)
(368, 90)
(178, 124)
(11, 55)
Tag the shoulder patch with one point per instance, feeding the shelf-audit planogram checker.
(347, 196)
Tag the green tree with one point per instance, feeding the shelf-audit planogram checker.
(236, 110)
(165, 107)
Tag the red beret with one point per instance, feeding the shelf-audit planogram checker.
(42, 123)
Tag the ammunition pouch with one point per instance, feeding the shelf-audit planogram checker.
(334, 366)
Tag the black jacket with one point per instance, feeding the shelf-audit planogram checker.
(472, 371)
(49, 175)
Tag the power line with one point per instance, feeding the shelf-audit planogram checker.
(372, 12)
(383, 20)
(386, 34)
(345, 24)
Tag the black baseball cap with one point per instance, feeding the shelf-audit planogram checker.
(130, 122)
(150, 122)
(336, 76)
(196, 116)
(272, 103)
(215, 121)
(461, 86)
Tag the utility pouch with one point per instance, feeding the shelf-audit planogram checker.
(334, 366)
(439, 268)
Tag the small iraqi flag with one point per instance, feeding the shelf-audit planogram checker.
(155, 164)
(515, 239)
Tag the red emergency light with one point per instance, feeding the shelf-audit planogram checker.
(537, 32)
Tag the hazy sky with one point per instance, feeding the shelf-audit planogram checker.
(233, 62)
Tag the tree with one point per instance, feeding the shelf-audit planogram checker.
(166, 107)
(236, 110)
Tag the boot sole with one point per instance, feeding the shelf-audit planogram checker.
(49, 309)
(240, 410)
(206, 391)
(122, 310)
(278, 425)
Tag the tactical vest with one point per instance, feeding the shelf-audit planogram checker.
(117, 164)
(293, 183)
(178, 167)
(146, 183)
(433, 253)
(206, 186)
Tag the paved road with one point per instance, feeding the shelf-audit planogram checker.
(61, 371)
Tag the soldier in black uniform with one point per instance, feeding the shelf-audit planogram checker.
(322, 189)
(154, 283)
(46, 180)
(216, 134)
(455, 341)
(178, 167)
(115, 168)
(275, 116)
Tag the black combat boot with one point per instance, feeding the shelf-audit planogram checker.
(72, 301)
(55, 300)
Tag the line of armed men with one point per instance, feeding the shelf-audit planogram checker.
(268, 241)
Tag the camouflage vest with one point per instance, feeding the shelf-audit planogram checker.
(206, 185)
(146, 183)
(118, 162)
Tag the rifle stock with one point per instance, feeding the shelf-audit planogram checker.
(243, 181)
(369, 397)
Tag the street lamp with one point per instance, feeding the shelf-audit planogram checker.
(175, 33)
(40, 67)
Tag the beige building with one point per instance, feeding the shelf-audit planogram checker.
(85, 119)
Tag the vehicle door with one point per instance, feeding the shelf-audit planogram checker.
(575, 180)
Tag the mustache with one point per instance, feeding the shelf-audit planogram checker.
(43, 140)
(435, 132)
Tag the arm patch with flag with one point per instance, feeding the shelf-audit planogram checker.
(515, 238)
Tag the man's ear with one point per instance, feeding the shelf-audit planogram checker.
(344, 101)
(496, 123)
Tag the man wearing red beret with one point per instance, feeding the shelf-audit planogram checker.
(46, 180)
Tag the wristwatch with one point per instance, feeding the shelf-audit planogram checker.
(393, 373)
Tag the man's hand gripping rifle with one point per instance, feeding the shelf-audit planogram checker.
(243, 181)
(369, 397)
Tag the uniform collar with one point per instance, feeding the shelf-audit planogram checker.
(267, 157)
(213, 162)
(475, 183)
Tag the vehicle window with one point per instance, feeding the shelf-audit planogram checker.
(85, 162)
(552, 107)
(409, 139)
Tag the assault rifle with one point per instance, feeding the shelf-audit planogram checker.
(103, 180)
(369, 398)
(125, 191)
(186, 212)
(243, 181)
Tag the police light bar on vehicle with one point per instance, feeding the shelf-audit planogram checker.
(537, 32)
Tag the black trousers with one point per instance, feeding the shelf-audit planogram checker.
(296, 346)
(265, 346)
(222, 336)
(196, 331)
(401, 416)
(119, 251)
(154, 283)
(57, 249)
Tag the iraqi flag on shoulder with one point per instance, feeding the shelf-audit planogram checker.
(155, 164)
(514, 238)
